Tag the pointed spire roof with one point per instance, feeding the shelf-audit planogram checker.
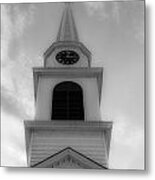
(67, 30)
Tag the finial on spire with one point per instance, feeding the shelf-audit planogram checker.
(67, 30)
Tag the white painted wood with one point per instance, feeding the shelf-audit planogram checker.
(90, 97)
(90, 144)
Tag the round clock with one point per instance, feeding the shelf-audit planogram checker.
(67, 57)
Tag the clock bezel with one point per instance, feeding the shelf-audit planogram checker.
(67, 61)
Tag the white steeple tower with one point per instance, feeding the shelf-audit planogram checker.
(68, 131)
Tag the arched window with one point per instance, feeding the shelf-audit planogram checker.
(67, 102)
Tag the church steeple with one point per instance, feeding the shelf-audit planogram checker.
(67, 131)
(67, 50)
(67, 30)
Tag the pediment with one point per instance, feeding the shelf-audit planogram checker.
(68, 158)
(67, 162)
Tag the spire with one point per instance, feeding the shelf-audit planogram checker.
(67, 29)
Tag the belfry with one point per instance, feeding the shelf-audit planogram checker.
(67, 131)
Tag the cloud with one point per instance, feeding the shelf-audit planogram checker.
(23, 19)
(124, 129)
(14, 22)
(16, 82)
(17, 85)
(97, 8)
(127, 145)
(103, 10)
(11, 105)
(129, 15)
(12, 145)
(16, 79)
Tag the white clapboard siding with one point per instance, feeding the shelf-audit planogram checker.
(45, 144)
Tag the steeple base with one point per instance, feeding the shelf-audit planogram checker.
(50, 143)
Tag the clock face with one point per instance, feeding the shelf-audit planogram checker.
(67, 57)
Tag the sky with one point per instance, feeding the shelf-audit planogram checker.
(114, 33)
